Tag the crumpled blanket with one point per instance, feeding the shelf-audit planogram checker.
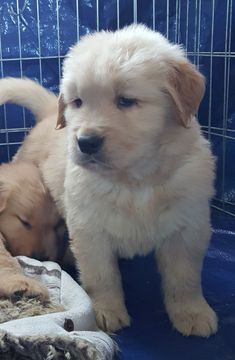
(68, 334)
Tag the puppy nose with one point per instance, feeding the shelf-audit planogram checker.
(90, 144)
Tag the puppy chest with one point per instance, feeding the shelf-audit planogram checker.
(129, 219)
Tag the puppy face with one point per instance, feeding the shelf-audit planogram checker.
(28, 219)
(124, 93)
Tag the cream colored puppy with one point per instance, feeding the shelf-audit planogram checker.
(139, 175)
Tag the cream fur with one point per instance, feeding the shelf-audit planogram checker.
(150, 186)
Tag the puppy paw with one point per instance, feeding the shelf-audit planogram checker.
(111, 318)
(16, 286)
(195, 318)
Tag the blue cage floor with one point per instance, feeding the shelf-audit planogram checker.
(151, 336)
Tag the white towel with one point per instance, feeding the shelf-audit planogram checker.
(44, 336)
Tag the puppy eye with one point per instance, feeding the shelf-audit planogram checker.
(123, 102)
(26, 224)
(77, 103)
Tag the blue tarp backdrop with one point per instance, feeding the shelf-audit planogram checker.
(34, 38)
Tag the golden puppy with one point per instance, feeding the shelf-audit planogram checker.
(28, 217)
(29, 222)
(138, 173)
(27, 227)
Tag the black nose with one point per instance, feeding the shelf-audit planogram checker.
(90, 144)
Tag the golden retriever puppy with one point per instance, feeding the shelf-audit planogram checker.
(29, 222)
(138, 173)
(27, 227)
(28, 217)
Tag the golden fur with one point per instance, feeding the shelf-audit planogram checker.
(29, 222)
(28, 217)
(14, 283)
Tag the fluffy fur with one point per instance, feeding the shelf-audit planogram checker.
(29, 222)
(14, 284)
(28, 217)
(150, 185)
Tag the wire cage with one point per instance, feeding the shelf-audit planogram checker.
(35, 35)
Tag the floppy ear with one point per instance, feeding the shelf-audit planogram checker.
(186, 88)
(4, 195)
(60, 118)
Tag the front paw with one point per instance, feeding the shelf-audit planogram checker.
(111, 317)
(16, 286)
(193, 318)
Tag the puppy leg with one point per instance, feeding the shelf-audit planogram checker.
(17, 285)
(180, 261)
(14, 284)
(101, 279)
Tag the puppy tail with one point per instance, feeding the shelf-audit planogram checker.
(29, 94)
